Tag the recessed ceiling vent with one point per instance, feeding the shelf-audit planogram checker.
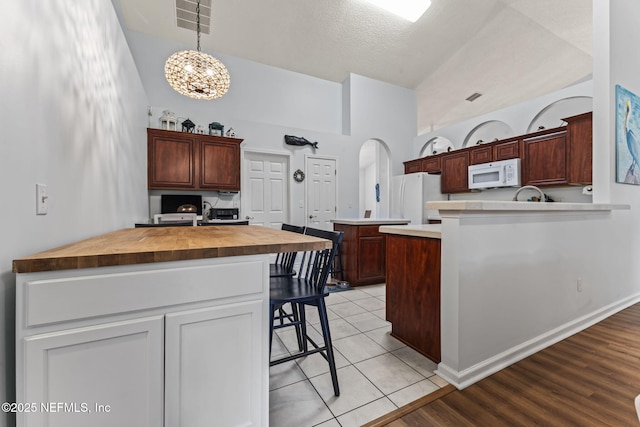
(474, 97)
(186, 15)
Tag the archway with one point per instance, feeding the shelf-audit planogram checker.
(551, 116)
(375, 171)
(436, 145)
(491, 130)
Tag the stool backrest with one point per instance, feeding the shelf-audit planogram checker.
(316, 265)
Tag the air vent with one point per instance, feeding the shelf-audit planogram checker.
(474, 97)
(186, 15)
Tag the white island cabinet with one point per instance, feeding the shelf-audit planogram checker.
(148, 343)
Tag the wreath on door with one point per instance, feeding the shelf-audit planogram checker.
(298, 175)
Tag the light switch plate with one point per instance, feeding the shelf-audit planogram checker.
(41, 199)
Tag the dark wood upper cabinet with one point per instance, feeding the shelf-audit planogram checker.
(179, 160)
(219, 165)
(480, 154)
(413, 166)
(171, 160)
(431, 164)
(544, 160)
(580, 148)
(505, 150)
(559, 156)
(455, 172)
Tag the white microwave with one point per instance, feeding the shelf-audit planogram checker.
(505, 173)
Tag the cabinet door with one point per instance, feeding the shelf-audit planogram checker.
(216, 366)
(372, 258)
(455, 172)
(219, 165)
(506, 150)
(431, 164)
(412, 166)
(480, 154)
(116, 365)
(580, 151)
(545, 159)
(171, 158)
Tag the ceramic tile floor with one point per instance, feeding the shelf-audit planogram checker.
(376, 372)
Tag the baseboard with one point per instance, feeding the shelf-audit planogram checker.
(501, 360)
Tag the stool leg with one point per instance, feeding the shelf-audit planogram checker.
(324, 321)
(273, 312)
(296, 318)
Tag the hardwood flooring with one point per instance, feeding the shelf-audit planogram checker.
(588, 379)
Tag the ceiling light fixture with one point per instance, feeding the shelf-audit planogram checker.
(195, 74)
(410, 10)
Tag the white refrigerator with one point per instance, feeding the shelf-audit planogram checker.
(411, 192)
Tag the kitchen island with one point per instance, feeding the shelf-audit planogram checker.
(517, 277)
(148, 327)
(363, 250)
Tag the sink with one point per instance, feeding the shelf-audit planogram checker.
(529, 187)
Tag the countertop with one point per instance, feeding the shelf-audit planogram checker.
(432, 231)
(503, 206)
(161, 244)
(369, 221)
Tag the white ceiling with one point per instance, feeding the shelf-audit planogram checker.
(507, 50)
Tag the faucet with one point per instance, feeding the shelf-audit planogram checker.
(530, 187)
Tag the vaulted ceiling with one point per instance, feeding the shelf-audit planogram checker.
(507, 50)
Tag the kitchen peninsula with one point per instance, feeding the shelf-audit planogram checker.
(515, 277)
(149, 327)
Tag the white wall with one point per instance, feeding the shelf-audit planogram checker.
(265, 103)
(73, 116)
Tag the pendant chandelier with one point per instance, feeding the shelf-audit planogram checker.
(195, 74)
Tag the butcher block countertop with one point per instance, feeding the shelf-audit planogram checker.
(146, 245)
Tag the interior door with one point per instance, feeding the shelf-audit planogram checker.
(321, 191)
(265, 194)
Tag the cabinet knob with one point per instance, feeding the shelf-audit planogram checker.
(248, 217)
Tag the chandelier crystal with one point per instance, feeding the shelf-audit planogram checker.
(195, 74)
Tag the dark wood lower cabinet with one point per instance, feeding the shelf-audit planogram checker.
(413, 292)
(363, 252)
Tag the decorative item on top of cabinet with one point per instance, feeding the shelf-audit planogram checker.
(216, 129)
(188, 126)
(190, 161)
(455, 172)
(168, 121)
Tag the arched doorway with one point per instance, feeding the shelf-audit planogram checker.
(375, 179)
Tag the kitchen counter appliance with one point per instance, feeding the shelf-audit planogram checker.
(223, 213)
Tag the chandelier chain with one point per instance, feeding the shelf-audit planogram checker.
(198, 23)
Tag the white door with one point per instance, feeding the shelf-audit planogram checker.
(215, 366)
(106, 375)
(322, 199)
(265, 193)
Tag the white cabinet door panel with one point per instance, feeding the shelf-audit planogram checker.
(216, 366)
(117, 364)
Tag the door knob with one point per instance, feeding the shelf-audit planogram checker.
(312, 216)
(248, 217)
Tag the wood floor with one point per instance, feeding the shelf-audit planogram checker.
(589, 379)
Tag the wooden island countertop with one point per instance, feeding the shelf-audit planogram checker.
(148, 245)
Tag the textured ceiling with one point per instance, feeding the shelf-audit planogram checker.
(507, 50)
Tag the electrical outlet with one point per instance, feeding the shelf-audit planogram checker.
(579, 285)
(41, 199)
